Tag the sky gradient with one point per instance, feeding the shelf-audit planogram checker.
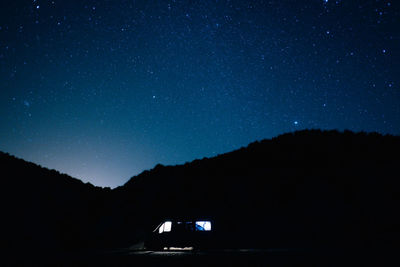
(102, 90)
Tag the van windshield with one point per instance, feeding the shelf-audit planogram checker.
(165, 227)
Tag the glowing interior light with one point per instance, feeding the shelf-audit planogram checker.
(203, 226)
(161, 229)
(167, 226)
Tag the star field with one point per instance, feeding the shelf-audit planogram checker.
(103, 90)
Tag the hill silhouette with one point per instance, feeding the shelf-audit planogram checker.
(303, 189)
(42, 209)
(307, 189)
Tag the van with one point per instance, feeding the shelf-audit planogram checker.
(180, 235)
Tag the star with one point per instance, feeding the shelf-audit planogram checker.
(219, 69)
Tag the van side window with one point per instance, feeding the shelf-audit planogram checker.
(203, 226)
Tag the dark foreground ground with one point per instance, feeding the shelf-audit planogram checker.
(241, 257)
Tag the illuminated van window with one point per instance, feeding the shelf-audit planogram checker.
(203, 226)
(161, 229)
(167, 226)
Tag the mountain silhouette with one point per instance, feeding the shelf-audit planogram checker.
(42, 209)
(307, 189)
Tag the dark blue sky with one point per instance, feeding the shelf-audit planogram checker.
(103, 90)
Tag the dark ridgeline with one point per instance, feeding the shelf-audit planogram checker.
(308, 189)
(44, 210)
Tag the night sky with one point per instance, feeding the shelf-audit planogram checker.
(102, 90)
